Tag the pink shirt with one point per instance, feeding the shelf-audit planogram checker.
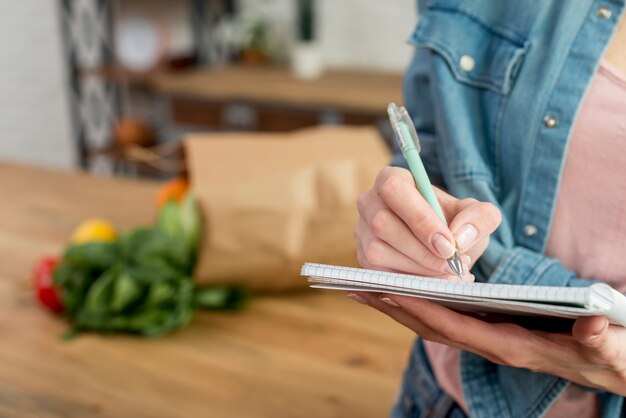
(588, 231)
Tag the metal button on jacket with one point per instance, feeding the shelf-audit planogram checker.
(530, 230)
(604, 13)
(550, 121)
(467, 63)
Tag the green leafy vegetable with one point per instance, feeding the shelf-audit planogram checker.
(141, 283)
(221, 297)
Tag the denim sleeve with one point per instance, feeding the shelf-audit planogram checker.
(417, 100)
(506, 262)
(519, 265)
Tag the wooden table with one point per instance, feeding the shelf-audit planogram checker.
(312, 354)
(276, 101)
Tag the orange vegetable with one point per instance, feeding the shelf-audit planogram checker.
(133, 131)
(172, 190)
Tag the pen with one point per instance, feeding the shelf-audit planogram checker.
(410, 146)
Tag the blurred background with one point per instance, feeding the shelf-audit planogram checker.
(166, 168)
(83, 78)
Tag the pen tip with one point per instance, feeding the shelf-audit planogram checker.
(456, 264)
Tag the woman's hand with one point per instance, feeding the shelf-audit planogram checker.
(399, 231)
(594, 354)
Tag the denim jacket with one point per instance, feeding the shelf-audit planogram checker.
(494, 89)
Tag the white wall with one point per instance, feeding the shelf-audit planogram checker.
(360, 34)
(367, 33)
(34, 114)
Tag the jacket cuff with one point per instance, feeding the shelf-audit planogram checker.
(519, 265)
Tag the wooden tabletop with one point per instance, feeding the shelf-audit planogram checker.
(312, 354)
(367, 92)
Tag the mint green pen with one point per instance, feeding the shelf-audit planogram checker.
(410, 146)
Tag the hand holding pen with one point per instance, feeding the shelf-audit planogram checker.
(403, 226)
(408, 142)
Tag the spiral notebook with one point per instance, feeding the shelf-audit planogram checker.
(517, 300)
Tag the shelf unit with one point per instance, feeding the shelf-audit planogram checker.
(96, 83)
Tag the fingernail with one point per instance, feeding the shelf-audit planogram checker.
(469, 278)
(388, 301)
(466, 259)
(356, 298)
(466, 236)
(443, 246)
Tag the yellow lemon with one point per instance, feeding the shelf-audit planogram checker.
(94, 230)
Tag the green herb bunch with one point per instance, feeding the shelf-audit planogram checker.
(142, 282)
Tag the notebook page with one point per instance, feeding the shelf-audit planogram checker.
(564, 295)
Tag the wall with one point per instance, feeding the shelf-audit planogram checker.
(35, 124)
(361, 34)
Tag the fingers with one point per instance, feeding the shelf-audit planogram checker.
(601, 342)
(398, 192)
(387, 172)
(501, 343)
(375, 252)
(591, 331)
(475, 222)
(380, 222)
(592, 355)
(397, 223)
(398, 314)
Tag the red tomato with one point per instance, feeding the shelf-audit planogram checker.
(47, 294)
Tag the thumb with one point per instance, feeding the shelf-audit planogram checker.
(474, 222)
(591, 331)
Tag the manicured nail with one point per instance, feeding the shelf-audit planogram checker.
(469, 278)
(388, 301)
(466, 259)
(466, 237)
(356, 298)
(443, 246)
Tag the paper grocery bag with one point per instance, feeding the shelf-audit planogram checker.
(271, 202)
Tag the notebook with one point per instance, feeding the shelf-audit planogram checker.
(516, 300)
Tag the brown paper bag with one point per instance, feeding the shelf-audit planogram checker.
(271, 202)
